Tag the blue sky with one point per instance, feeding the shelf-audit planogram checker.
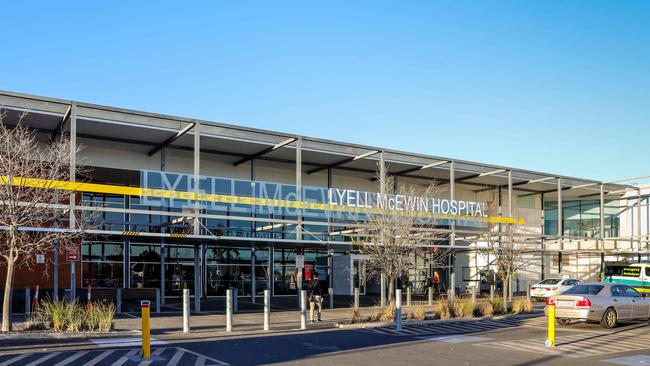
(560, 87)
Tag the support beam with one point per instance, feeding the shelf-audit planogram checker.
(560, 226)
(417, 169)
(344, 161)
(170, 140)
(61, 127)
(265, 151)
(518, 184)
(299, 186)
(602, 216)
(510, 194)
(197, 174)
(638, 217)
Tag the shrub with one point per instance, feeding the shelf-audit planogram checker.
(522, 306)
(419, 312)
(356, 317)
(485, 308)
(388, 313)
(497, 305)
(375, 315)
(463, 308)
(62, 315)
(442, 310)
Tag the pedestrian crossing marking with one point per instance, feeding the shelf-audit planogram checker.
(115, 357)
(458, 326)
(582, 345)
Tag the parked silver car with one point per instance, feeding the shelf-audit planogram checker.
(606, 303)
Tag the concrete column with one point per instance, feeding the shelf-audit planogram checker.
(28, 301)
(408, 295)
(356, 297)
(269, 282)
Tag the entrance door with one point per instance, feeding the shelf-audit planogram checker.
(177, 277)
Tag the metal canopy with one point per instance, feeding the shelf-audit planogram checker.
(153, 130)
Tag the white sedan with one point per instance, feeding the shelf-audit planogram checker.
(552, 287)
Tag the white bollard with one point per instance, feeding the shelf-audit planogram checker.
(383, 290)
(491, 293)
(229, 304)
(303, 309)
(157, 301)
(28, 302)
(267, 310)
(186, 310)
(473, 294)
(398, 309)
(430, 295)
(118, 300)
(235, 303)
(408, 296)
(330, 292)
(356, 297)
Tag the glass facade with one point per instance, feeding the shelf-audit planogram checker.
(582, 218)
(102, 264)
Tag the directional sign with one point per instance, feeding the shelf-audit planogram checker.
(72, 255)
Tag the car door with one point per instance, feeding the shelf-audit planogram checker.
(622, 304)
(563, 286)
(640, 306)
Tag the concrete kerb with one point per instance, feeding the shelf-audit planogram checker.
(534, 314)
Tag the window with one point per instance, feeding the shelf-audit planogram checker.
(617, 291)
(584, 290)
(647, 271)
(630, 292)
(551, 281)
(102, 264)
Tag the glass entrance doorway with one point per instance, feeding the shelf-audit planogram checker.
(179, 270)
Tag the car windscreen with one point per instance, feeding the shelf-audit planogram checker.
(584, 290)
(623, 271)
(551, 281)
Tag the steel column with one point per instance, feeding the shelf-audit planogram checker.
(452, 241)
(560, 226)
(299, 187)
(73, 177)
(602, 217)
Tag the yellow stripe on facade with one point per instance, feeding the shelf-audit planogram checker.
(221, 198)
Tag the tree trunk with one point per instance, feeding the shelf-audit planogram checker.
(391, 289)
(506, 283)
(6, 302)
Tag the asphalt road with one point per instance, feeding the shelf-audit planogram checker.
(506, 342)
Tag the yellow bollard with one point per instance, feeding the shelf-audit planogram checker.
(550, 339)
(146, 330)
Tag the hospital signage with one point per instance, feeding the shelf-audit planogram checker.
(400, 202)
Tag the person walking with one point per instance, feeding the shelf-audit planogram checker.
(315, 296)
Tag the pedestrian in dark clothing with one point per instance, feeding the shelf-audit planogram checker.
(315, 296)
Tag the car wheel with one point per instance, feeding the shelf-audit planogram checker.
(564, 321)
(609, 319)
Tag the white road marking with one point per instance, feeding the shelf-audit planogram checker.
(43, 359)
(176, 357)
(15, 359)
(125, 342)
(214, 361)
(125, 358)
(73, 357)
(98, 358)
(154, 354)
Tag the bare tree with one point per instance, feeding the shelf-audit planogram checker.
(34, 202)
(392, 238)
(508, 252)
